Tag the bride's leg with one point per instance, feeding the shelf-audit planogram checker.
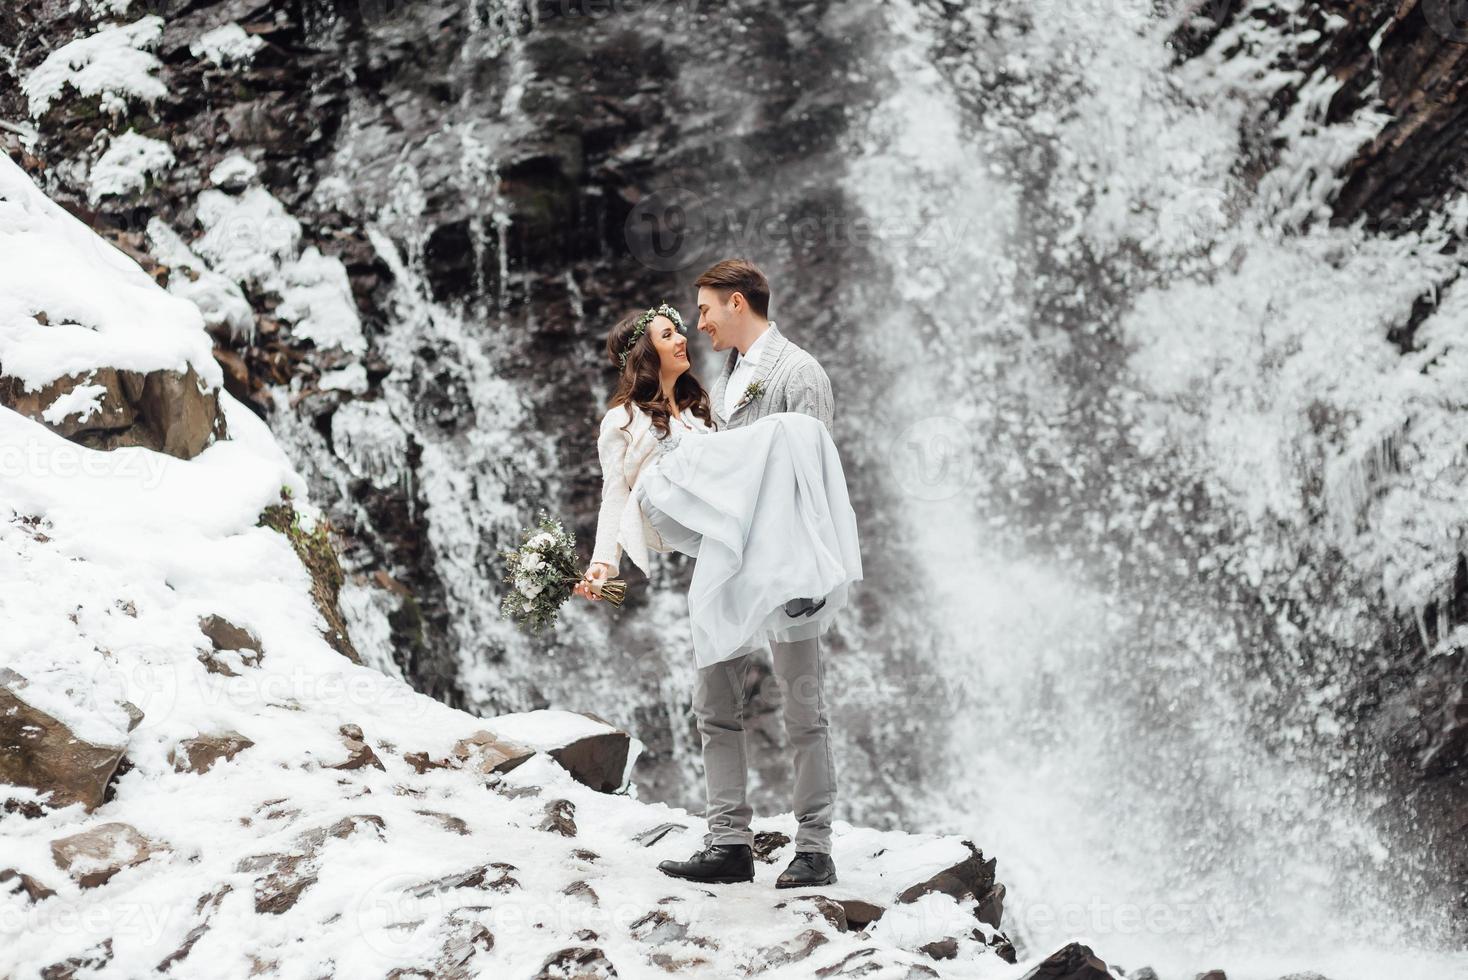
(718, 704)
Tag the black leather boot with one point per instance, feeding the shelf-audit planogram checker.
(715, 864)
(808, 868)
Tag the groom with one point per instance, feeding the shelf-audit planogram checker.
(764, 373)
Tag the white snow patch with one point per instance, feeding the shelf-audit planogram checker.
(234, 170)
(218, 298)
(316, 297)
(126, 166)
(83, 401)
(114, 63)
(352, 378)
(230, 44)
(120, 319)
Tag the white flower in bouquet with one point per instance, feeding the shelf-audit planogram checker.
(543, 573)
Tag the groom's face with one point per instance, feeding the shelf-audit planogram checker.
(715, 315)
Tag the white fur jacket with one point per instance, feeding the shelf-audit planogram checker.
(620, 524)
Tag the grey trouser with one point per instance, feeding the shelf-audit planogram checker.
(718, 704)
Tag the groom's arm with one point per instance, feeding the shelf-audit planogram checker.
(809, 393)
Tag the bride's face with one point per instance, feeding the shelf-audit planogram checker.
(671, 345)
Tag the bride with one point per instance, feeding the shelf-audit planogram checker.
(763, 509)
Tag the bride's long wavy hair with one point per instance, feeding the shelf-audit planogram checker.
(641, 379)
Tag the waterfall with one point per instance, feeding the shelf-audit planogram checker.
(1084, 523)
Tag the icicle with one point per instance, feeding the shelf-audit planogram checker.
(1352, 478)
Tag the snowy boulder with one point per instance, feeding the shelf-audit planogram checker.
(119, 363)
(594, 751)
(199, 754)
(94, 856)
(484, 752)
(39, 751)
(107, 408)
(232, 646)
(577, 963)
(1072, 962)
(973, 877)
(359, 753)
(18, 882)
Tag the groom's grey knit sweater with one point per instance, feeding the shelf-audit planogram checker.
(794, 381)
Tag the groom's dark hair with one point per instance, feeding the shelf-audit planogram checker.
(739, 275)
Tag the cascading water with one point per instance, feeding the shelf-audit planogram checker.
(1115, 733)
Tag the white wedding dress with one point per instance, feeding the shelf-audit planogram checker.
(764, 510)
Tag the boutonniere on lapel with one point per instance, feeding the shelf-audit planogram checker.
(753, 391)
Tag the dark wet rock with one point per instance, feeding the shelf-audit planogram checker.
(167, 411)
(972, 877)
(487, 753)
(1072, 962)
(767, 845)
(448, 821)
(790, 951)
(599, 760)
(1002, 947)
(658, 927)
(13, 882)
(201, 753)
(677, 964)
(942, 949)
(421, 762)
(577, 963)
(990, 910)
(230, 644)
(580, 889)
(560, 818)
(284, 876)
(42, 753)
(359, 753)
(492, 877)
(812, 906)
(466, 940)
(1212, 975)
(651, 836)
(859, 914)
(204, 911)
(82, 965)
(94, 856)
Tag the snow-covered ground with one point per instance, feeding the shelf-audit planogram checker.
(278, 860)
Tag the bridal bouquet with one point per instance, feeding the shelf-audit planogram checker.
(541, 574)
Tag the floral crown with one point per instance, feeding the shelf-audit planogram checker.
(641, 326)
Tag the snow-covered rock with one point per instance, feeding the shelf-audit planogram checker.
(115, 64)
(119, 363)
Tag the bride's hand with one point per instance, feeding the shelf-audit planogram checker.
(590, 585)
